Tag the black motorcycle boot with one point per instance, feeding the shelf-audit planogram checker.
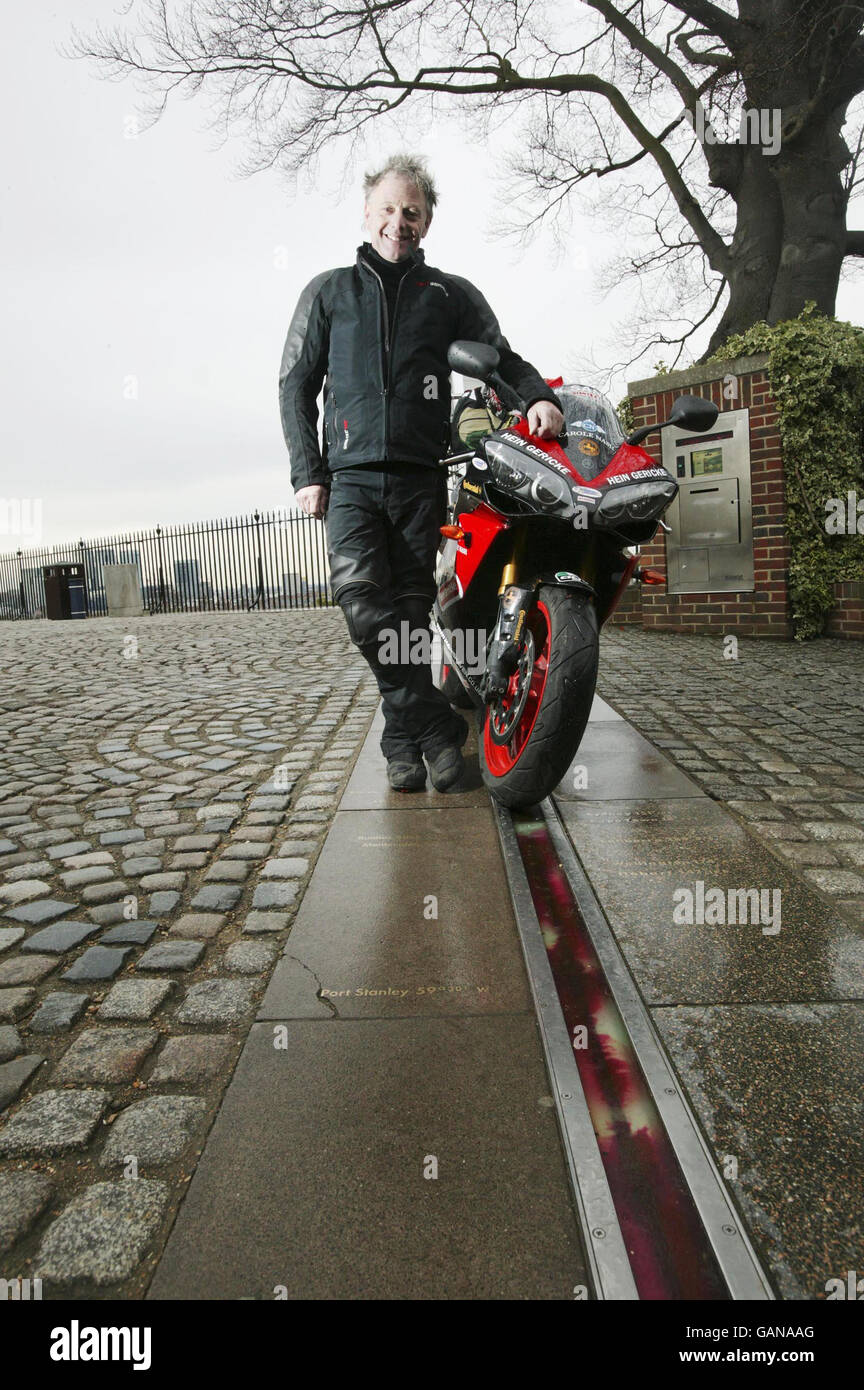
(446, 764)
(406, 776)
(446, 768)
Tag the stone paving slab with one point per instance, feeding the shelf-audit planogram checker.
(409, 1033)
(103, 1233)
(58, 1011)
(23, 1195)
(643, 855)
(401, 863)
(154, 1132)
(794, 1129)
(14, 1076)
(763, 1017)
(312, 1178)
(776, 735)
(53, 1122)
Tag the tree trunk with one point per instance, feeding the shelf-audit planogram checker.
(814, 223)
(790, 236)
(754, 251)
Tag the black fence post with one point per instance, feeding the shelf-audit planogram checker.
(22, 594)
(260, 594)
(160, 603)
(86, 585)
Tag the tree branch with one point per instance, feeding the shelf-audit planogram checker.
(726, 26)
(721, 62)
(638, 40)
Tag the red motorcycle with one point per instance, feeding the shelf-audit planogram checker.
(535, 557)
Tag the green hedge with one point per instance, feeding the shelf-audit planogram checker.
(816, 370)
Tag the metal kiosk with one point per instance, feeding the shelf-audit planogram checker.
(709, 546)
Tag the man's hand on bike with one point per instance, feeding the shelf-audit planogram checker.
(313, 500)
(545, 420)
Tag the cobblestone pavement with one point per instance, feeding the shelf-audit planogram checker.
(777, 735)
(165, 785)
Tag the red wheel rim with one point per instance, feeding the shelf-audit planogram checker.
(501, 757)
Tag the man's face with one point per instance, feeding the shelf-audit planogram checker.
(396, 217)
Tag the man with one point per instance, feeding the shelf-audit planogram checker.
(378, 331)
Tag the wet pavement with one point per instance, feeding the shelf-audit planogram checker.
(760, 1003)
(774, 731)
(266, 1029)
(389, 1123)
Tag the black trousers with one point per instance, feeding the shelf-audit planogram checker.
(383, 531)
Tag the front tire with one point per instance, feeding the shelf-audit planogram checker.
(561, 682)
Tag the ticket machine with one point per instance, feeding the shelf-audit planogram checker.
(709, 546)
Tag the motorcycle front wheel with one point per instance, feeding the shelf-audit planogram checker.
(528, 738)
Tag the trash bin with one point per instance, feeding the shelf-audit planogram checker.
(65, 591)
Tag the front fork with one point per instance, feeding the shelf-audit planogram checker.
(502, 656)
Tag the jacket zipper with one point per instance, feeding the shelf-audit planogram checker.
(385, 362)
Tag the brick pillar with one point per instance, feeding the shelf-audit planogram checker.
(765, 612)
(846, 619)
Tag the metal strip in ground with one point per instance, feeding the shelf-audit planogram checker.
(735, 1255)
(604, 1244)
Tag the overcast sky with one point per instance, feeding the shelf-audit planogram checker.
(147, 265)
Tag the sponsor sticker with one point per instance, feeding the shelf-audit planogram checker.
(639, 476)
(448, 593)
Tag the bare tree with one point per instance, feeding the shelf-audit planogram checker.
(722, 125)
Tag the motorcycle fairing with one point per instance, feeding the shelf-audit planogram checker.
(627, 458)
(629, 464)
(482, 526)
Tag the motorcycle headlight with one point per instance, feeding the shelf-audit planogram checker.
(507, 477)
(634, 502)
(549, 490)
(529, 480)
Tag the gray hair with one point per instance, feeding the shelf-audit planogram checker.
(410, 166)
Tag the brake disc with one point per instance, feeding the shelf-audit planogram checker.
(503, 721)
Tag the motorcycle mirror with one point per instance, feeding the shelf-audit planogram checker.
(693, 413)
(472, 359)
(688, 412)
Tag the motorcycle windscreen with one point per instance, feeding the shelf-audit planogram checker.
(593, 432)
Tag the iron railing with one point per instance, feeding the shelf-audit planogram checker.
(268, 560)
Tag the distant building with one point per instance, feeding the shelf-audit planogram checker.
(94, 559)
(295, 586)
(187, 577)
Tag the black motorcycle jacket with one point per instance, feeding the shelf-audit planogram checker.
(387, 392)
